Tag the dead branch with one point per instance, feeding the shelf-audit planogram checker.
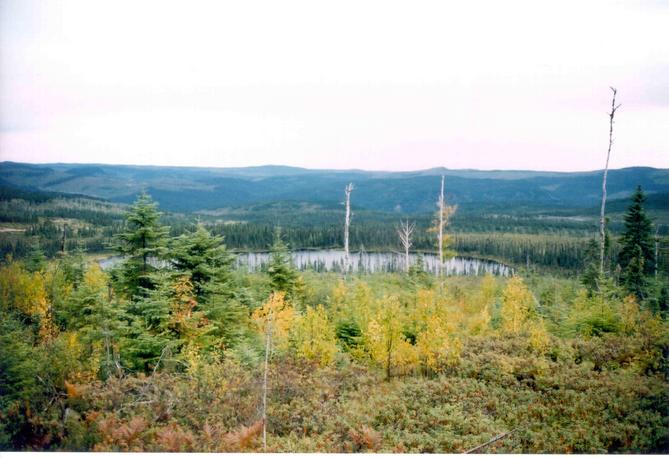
(494, 439)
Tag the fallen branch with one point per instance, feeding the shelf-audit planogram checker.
(494, 439)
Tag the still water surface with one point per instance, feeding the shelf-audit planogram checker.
(333, 261)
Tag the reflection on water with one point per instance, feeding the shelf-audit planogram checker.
(333, 261)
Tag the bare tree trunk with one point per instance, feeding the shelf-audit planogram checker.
(405, 231)
(440, 267)
(602, 229)
(347, 191)
(268, 339)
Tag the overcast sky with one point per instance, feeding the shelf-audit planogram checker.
(344, 84)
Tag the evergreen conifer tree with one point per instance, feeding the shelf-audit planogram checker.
(206, 261)
(35, 261)
(418, 277)
(637, 258)
(282, 274)
(591, 275)
(634, 278)
(663, 302)
(143, 240)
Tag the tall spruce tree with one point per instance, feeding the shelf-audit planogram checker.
(142, 241)
(206, 261)
(282, 274)
(36, 260)
(637, 258)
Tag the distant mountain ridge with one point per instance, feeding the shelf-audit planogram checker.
(189, 189)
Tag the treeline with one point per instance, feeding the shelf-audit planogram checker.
(53, 224)
(548, 243)
(559, 252)
(92, 211)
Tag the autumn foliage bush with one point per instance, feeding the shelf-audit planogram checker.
(377, 364)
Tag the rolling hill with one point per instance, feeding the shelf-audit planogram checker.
(191, 189)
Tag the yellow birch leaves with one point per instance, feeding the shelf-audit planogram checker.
(436, 346)
(314, 337)
(276, 316)
(516, 305)
(386, 343)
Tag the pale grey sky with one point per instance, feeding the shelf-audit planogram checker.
(346, 84)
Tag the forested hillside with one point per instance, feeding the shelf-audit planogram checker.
(186, 189)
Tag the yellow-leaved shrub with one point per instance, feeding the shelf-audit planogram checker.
(516, 306)
(276, 316)
(385, 341)
(437, 347)
(314, 337)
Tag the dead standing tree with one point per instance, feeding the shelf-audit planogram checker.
(441, 203)
(602, 221)
(444, 213)
(347, 223)
(405, 231)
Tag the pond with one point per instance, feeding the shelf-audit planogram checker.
(333, 261)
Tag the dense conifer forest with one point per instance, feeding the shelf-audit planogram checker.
(175, 349)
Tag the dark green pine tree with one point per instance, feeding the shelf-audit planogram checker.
(147, 339)
(282, 274)
(206, 261)
(591, 275)
(207, 265)
(142, 242)
(35, 261)
(663, 302)
(634, 278)
(73, 265)
(418, 277)
(637, 258)
(592, 278)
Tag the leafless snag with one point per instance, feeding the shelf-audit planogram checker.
(441, 203)
(405, 231)
(444, 213)
(602, 233)
(347, 223)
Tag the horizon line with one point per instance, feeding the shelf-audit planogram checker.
(326, 169)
